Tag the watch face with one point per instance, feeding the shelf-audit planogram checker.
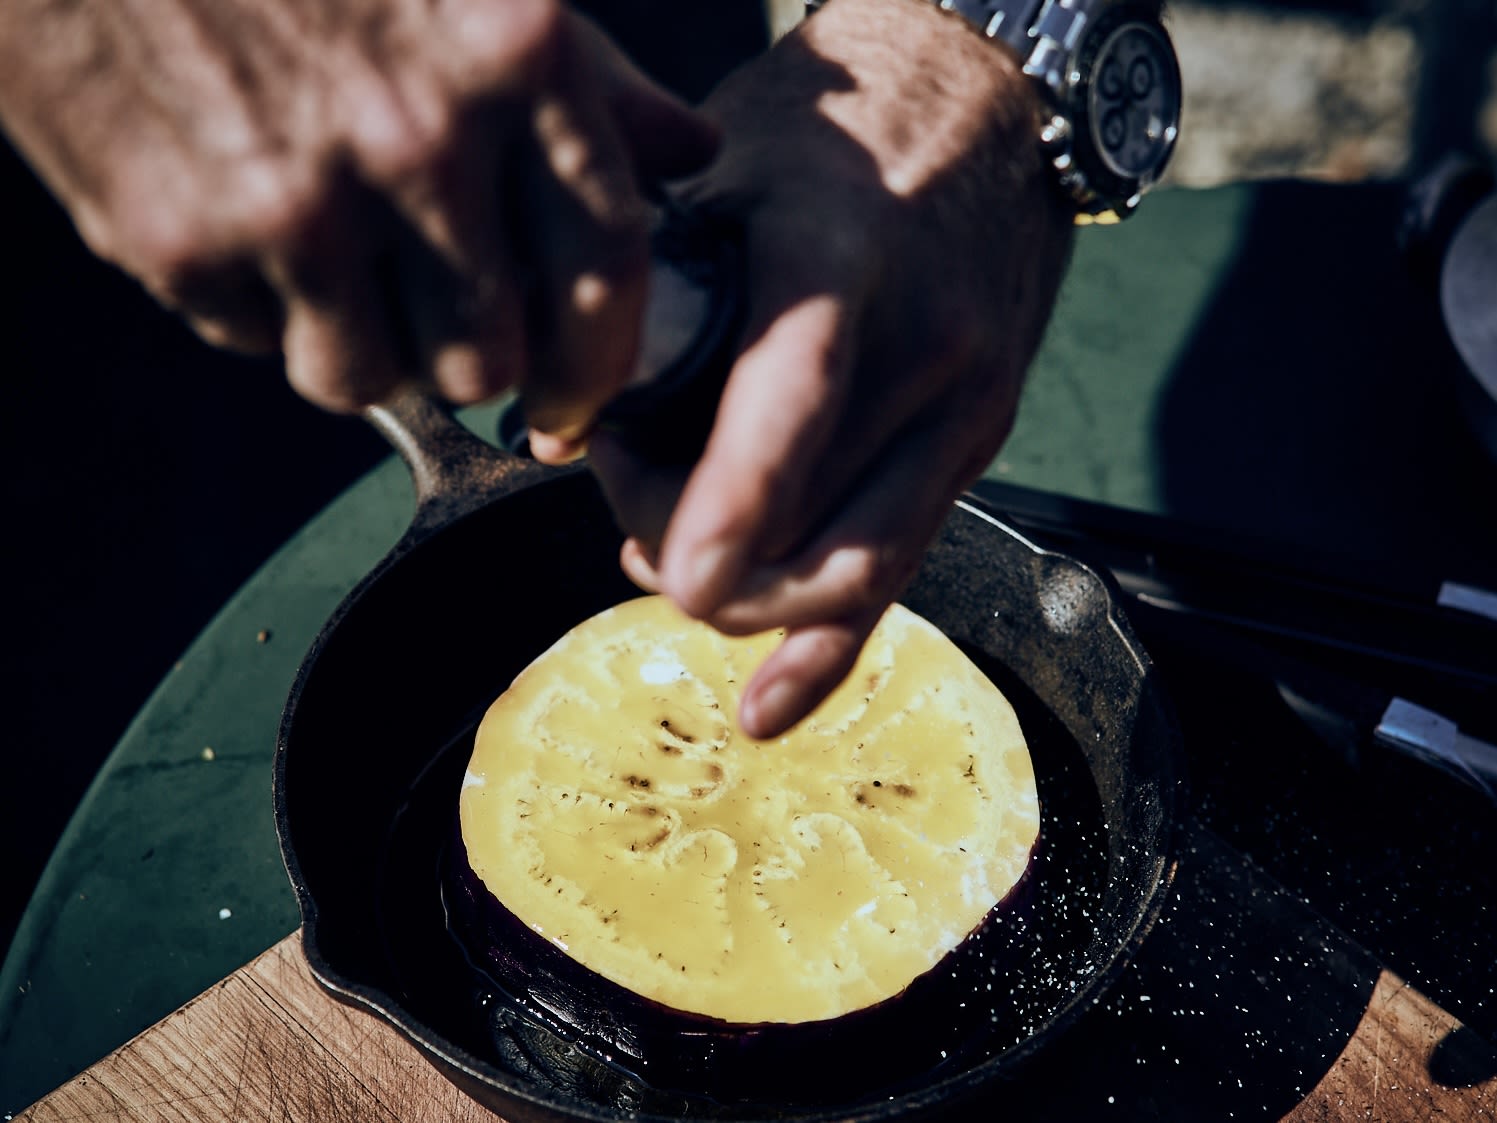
(1134, 102)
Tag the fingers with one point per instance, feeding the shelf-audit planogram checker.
(638, 563)
(586, 231)
(519, 247)
(807, 666)
(464, 208)
(462, 285)
(791, 439)
(433, 154)
(830, 593)
(603, 134)
(231, 307)
(776, 420)
(339, 348)
(809, 663)
(867, 552)
(642, 496)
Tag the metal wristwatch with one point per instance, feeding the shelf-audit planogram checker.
(1110, 81)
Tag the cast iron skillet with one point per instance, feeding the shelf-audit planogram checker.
(502, 557)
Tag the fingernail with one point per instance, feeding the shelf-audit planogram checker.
(699, 589)
(766, 711)
(550, 449)
(638, 567)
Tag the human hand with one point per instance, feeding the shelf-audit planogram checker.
(904, 246)
(385, 189)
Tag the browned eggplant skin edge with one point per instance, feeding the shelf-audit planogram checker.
(698, 1055)
(349, 974)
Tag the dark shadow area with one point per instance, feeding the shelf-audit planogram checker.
(1235, 1008)
(685, 45)
(1312, 424)
(145, 477)
(1463, 1059)
(1394, 853)
(1315, 406)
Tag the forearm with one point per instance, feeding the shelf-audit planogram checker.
(915, 85)
(919, 90)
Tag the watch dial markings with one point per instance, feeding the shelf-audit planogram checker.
(1133, 97)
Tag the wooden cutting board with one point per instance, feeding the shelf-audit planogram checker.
(269, 1043)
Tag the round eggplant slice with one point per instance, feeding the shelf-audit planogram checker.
(737, 918)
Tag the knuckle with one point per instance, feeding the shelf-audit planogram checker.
(866, 575)
(241, 333)
(283, 206)
(169, 257)
(321, 372)
(741, 516)
(844, 255)
(99, 233)
(862, 579)
(614, 281)
(851, 249)
(506, 45)
(269, 204)
(466, 374)
(147, 234)
(395, 139)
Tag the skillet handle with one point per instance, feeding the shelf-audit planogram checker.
(454, 471)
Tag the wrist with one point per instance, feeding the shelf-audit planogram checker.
(923, 93)
(1108, 83)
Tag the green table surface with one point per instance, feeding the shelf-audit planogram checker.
(1250, 359)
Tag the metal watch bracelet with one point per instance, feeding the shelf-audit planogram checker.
(1110, 82)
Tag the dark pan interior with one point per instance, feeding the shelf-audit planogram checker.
(376, 734)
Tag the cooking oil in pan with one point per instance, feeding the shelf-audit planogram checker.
(1007, 988)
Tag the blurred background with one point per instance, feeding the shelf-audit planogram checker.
(145, 476)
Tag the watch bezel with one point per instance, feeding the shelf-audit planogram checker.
(1057, 43)
(1103, 189)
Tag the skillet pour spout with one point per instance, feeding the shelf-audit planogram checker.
(502, 557)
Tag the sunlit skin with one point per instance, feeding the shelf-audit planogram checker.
(322, 178)
(387, 190)
(904, 246)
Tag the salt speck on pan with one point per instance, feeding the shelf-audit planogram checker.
(473, 780)
(661, 671)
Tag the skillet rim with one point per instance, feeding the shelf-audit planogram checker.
(487, 1084)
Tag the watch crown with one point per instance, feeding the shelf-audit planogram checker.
(1096, 63)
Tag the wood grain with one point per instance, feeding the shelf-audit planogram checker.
(266, 1043)
(1391, 1067)
(269, 1043)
